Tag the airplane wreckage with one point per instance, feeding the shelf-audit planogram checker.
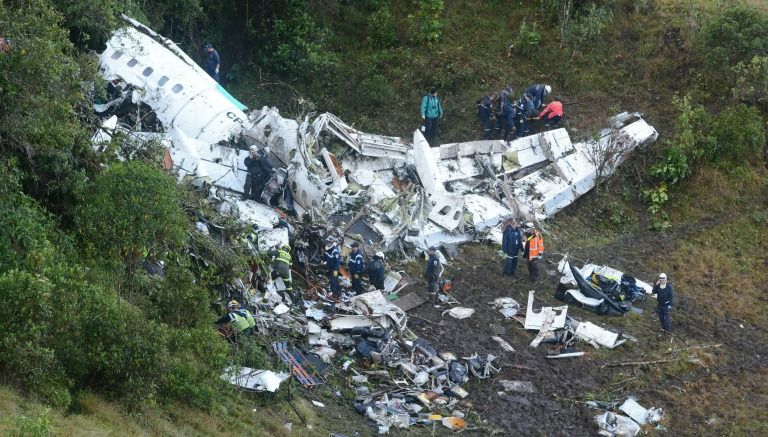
(390, 193)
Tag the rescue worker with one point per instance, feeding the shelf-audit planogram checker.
(431, 110)
(512, 245)
(552, 114)
(259, 171)
(376, 271)
(213, 62)
(533, 251)
(484, 115)
(537, 93)
(521, 118)
(502, 97)
(433, 271)
(240, 321)
(356, 267)
(332, 258)
(281, 267)
(665, 296)
(508, 120)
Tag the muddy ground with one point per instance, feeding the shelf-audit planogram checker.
(703, 356)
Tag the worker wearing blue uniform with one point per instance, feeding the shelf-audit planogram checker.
(356, 267)
(332, 258)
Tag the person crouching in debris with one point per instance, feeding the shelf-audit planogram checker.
(552, 114)
(237, 322)
(281, 267)
(213, 62)
(538, 93)
(512, 245)
(356, 266)
(432, 272)
(376, 271)
(665, 296)
(332, 258)
(259, 171)
(431, 110)
(533, 251)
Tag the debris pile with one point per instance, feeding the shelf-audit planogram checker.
(556, 328)
(331, 182)
(601, 289)
(390, 193)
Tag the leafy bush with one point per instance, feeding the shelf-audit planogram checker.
(428, 16)
(736, 35)
(740, 136)
(131, 208)
(382, 28)
(527, 38)
(752, 81)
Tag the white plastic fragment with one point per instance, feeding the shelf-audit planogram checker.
(459, 312)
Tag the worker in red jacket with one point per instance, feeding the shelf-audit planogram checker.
(552, 114)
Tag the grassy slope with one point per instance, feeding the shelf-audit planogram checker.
(632, 66)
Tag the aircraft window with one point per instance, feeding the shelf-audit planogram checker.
(117, 55)
(177, 88)
(133, 62)
(163, 80)
(147, 72)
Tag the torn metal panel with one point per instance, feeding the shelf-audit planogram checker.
(410, 301)
(535, 320)
(612, 424)
(183, 96)
(426, 166)
(485, 212)
(640, 414)
(583, 299)
(253, 379)
(308, 189)
(378, 146)
(374, 303)
(593, 333)
(447, 210)
(334, 168)
(360, 227)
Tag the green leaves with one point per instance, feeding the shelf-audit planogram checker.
(132, 208)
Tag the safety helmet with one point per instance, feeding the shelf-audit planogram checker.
(529, 225)
(274, 220)
(662, 276)
(380, 255)
(233, 304)
(253, 149)
(286, 247)
(548, 89)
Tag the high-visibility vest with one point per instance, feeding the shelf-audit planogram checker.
(535, 246)
(283, 256)
(242, 320)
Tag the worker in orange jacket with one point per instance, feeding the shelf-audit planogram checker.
(533, 251)
(552, 114)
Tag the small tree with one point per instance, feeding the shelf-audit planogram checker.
(131, 209)
(605, 153)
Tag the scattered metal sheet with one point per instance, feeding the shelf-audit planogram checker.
(593, 333)
(565, 355)
(612, 424)
(410, 301)
(254, 379)
(640, 414)
(535, 320)
(546, 326)
(459, 312)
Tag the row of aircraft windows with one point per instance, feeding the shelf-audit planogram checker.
(148, 72)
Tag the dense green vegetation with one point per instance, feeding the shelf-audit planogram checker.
(79, 316)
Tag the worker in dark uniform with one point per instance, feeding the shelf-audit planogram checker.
(332, 258)
(376, 271)
(511, 245)
(484, 115)
(259, 171)
(356, 267)
(538, 93)
(665, 296)
(432, 272)
(212, 62)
